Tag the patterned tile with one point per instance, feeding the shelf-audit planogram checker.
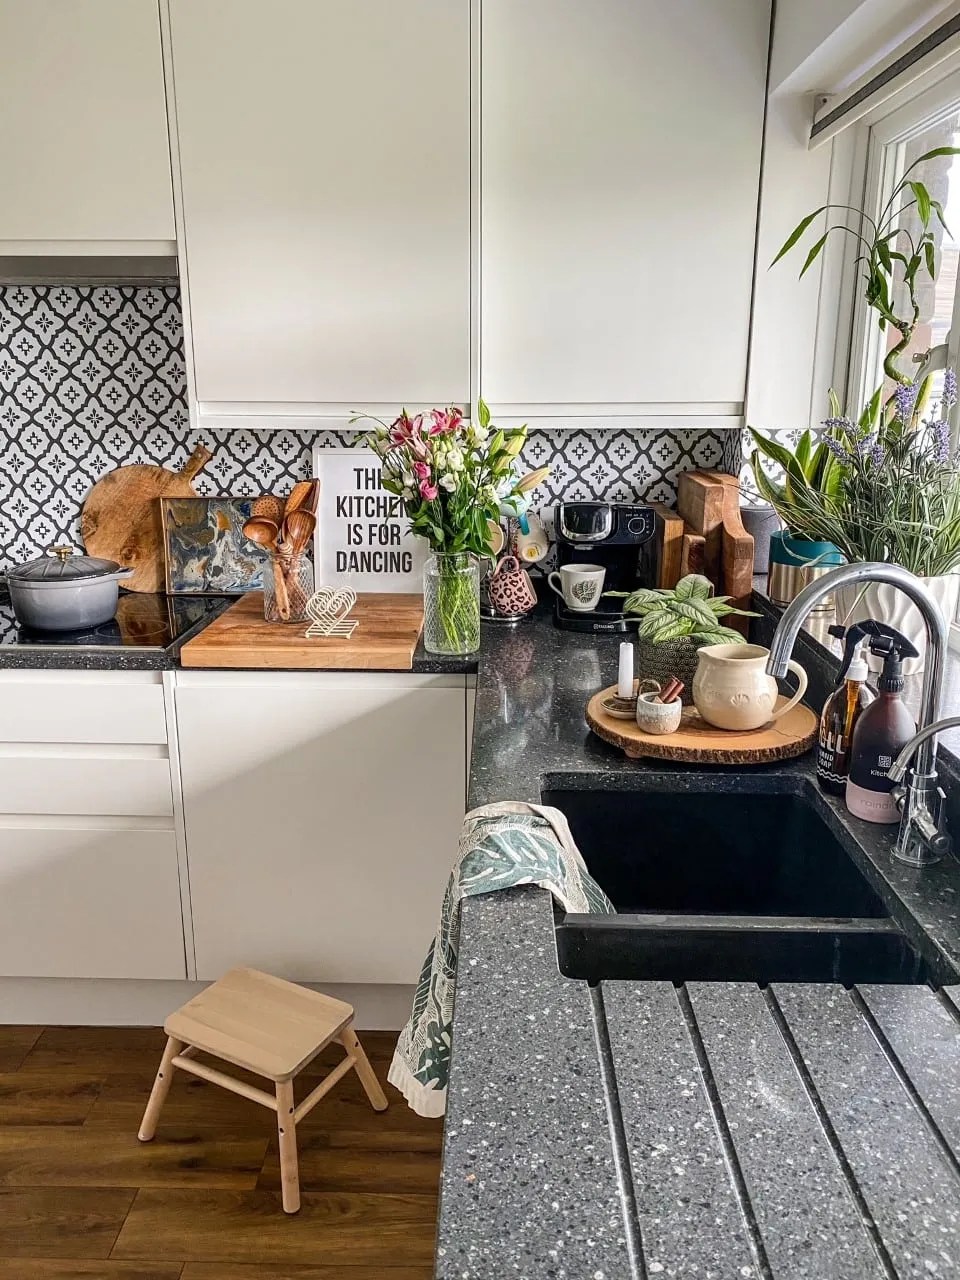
(92, 378)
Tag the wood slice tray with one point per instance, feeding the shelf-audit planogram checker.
(697, 742)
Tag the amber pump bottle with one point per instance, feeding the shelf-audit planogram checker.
(884, 728)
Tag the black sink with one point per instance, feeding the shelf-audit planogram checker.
(710, 885)
(717, 852)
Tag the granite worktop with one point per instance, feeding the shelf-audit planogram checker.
(714, 1129)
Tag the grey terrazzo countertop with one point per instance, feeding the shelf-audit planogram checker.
(712, 1130)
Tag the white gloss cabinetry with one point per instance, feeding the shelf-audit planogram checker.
(324, 156)
(83, 129)
(620, 163)
(90, 870)
(322, 815)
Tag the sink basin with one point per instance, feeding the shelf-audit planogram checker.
(716, 852)
(719, 886)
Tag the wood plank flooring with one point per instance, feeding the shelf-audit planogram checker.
(82, 1199)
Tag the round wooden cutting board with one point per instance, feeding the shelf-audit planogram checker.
(121, 516)
(697, 742)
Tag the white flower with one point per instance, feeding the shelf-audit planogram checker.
(407, 493)
(455, 460)
(448, 482)
(408, 480)
(478, 434)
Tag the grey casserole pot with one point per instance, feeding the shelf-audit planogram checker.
(65, 592)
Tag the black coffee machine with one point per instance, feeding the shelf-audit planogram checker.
(620, 537)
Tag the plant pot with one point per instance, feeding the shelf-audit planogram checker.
(670, 658)
(885, 603)
(795, 563)
(761, 522)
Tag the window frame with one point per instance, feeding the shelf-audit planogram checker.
(873, 172)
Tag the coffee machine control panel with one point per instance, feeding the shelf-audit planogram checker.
(615, 524)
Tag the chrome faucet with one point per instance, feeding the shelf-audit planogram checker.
(922, 838)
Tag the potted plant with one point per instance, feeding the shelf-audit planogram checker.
(797, 555)
(675, 624)
(898, 502)
(453, 476)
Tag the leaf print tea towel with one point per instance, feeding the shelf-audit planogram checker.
(501, 846)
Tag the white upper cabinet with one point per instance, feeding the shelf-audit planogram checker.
(83, 128)
(325, 160)
(620, 168)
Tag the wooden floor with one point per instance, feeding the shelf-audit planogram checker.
(81, 1197)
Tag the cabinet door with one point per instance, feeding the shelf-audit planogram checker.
(93, 901)
(322, 817)
(83, 126)
(325, 159)
(620, 171)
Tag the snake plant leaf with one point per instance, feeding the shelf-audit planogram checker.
(693, 587)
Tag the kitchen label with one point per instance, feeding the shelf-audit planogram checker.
(362, 539)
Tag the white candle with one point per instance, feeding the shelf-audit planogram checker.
(625, 674)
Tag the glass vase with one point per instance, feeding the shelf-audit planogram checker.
(451, 603)
(287, 586)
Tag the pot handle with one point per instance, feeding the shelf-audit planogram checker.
(801, 675)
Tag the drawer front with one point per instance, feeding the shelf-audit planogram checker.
(89, 903)
(81, 782)
(82, 706)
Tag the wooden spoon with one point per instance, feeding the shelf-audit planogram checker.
(298, 527)
(297, 496)
(261, 531)
(270, 507)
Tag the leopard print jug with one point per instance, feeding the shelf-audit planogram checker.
(511, 591)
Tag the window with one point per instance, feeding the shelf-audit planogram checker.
(889, 141)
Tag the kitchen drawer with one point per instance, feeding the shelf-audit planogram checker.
(76, 780)
(82, 706)
(89, 902)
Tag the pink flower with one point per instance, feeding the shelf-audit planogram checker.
(445, 421)
(405, 428)
(428, 491)
(421, 471)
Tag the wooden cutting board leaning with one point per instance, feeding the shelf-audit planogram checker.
(121, 516)
(385, 639)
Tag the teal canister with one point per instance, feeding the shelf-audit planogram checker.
(795, 563)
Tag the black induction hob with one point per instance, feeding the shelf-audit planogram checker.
(142, 621)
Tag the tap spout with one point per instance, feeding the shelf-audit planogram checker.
(781, 646)
(899, 767)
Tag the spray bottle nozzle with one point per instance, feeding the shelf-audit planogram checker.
(876, 633)
(893, 648)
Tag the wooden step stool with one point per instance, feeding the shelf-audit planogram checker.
(274, 1029)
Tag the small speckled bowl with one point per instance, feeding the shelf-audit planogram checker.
(657, 717)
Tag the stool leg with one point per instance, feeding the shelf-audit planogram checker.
(287, 1133)
(161, 1087)
(361, 1064)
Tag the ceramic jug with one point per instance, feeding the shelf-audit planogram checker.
(731, 688)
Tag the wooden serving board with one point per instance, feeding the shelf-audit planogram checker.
(387, 635)
(121, 516)
(697, 742)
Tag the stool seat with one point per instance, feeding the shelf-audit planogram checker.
(269, 1026)
(274, 1029)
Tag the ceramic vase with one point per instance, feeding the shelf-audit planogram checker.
(885, 603)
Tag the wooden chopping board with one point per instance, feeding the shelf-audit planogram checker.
(697, 742)
(388, 631)
(700, 504)
(121, 516)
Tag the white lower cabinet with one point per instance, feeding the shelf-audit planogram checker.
(322, 815)
(89, 902)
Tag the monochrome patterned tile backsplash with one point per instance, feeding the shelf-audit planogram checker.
(93, 377)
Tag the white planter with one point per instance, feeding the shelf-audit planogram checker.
(885, 603)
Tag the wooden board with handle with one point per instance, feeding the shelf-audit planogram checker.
(240, 639)
(697, 742)
(693, 553)
(669, 543)
(737, 553)
(121, 516)
(700, 501)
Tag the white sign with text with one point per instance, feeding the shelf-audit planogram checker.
(362, 538)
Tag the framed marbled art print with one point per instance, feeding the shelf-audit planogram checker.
(204, 548)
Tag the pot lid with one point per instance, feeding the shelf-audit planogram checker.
(61, 564)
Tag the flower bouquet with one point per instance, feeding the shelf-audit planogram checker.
(455, 478)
